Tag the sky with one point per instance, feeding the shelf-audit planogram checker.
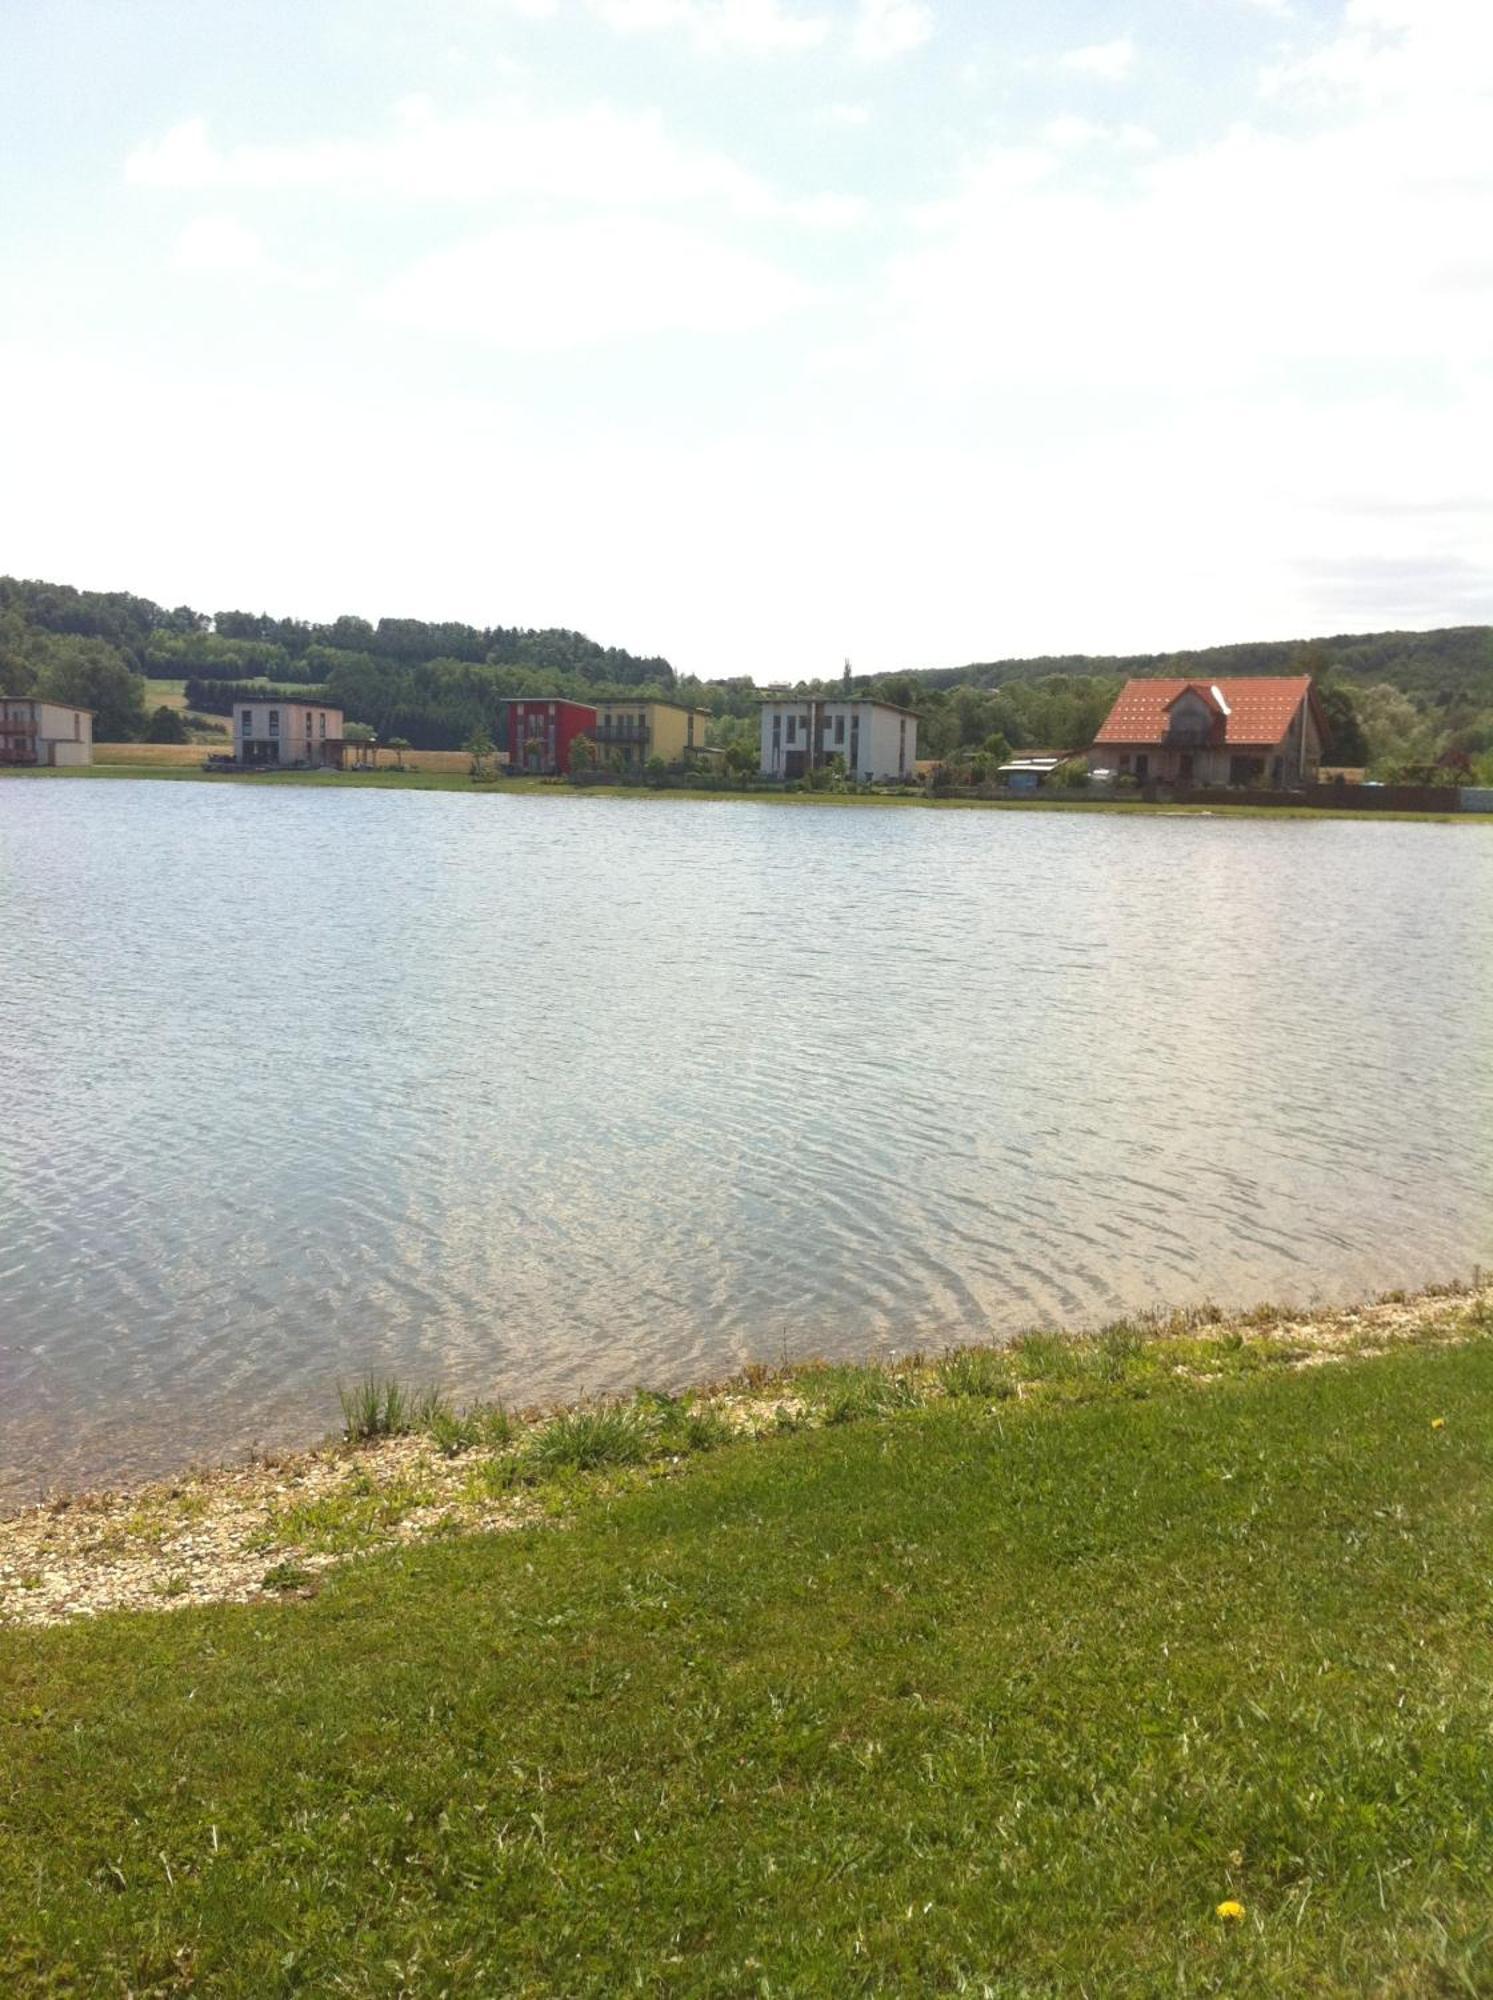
(762, 334)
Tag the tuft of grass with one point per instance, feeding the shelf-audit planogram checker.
(344, 1518)
(381, 1407)
(1117, 1349)
(1047, 1357)
(480, 1425)
(585, 1439)
(984, 1372)
(848, 1395)
(685, 1428)
(286, 1577)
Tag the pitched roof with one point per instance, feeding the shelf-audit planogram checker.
(1260, 710)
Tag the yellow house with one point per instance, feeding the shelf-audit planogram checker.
(644, 729)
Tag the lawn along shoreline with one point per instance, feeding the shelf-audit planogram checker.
(410, 1468)
(415, 780)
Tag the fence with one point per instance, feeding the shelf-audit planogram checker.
(1344, 798)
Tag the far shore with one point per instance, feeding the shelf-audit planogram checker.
(410, 1467)
(415, 780)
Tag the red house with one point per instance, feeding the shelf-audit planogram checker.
(541, 733)
(1245, 731)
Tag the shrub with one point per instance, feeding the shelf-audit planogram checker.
(166, 725)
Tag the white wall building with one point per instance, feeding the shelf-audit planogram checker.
(875, 739)
(287, 732)
(44, 732)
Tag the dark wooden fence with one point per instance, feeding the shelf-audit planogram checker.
(1355, 798)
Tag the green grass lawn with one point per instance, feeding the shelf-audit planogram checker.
(984, 1697)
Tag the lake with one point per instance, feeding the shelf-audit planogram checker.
(541, 1097)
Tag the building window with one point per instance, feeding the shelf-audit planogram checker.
(248, 722)
(274, 722)
(323, 725)
(793, 729)
(839, 729)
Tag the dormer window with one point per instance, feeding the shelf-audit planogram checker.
(1190, 720)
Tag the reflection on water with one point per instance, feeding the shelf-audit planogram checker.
(544, 1096)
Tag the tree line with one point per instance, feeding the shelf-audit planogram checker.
(1395, 701)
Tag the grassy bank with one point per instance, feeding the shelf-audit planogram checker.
(983, 1675)
(418, 780)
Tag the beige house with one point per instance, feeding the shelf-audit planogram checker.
(287, 732)
(44, 732)
(644, 729)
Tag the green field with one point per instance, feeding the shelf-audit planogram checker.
(985, 1695)
(172, 694)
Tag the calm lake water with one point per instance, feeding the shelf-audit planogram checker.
(537, 1097)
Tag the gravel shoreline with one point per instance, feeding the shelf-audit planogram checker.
(274, 1526)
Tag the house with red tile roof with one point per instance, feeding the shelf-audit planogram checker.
(1253, 731)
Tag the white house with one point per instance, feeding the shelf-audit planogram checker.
(287, 732)
(44, 732)
(875, 739)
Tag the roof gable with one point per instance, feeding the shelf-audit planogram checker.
(1257, 710)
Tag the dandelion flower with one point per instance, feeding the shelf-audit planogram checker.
(1438, 1423)
(1231, 1912)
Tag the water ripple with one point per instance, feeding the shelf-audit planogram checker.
(538, 1097)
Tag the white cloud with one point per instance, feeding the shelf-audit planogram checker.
(1389, 52)
(1237, 388)
(220, 243)
(847, 116)
(547, 287)
(1068, 133)
(753, 27)
(884, 29)
(222, 246)
(1111, 62)
(598, 157)
(1356, 244)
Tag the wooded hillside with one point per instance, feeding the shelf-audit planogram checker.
(1395, 699)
